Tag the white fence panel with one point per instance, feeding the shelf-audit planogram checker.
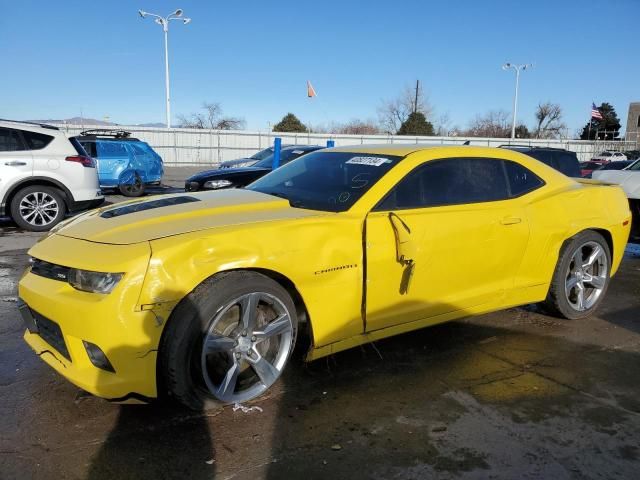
(186, 146)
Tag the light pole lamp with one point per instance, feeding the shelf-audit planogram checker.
(518, 69)
(164, 22)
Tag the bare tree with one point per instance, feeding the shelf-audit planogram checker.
(393, 113)
(211, 118)
(494, 124)
(549, 122)
(442, 125)
(357, 127)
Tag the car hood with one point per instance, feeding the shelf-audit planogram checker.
(167, 215)
(225, 173)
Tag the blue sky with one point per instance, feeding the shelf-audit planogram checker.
(99, 58)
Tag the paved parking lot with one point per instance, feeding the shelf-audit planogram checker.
(514, 394)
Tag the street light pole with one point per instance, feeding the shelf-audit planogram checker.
(517, 68)
(164, 22)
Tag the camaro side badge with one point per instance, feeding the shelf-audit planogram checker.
(334, 269)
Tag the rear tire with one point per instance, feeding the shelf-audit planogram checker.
(209, 356)
(135, 189)
(38, 208)
(581, 278)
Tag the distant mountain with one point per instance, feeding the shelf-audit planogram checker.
(92, 121)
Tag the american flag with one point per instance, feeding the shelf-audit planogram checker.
(595, 113)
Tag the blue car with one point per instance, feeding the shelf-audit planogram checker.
(124, 163)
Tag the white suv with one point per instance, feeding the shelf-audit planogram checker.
(43, 175)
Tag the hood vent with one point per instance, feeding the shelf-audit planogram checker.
(141, 207)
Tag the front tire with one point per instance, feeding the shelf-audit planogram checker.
(227, 341)
(581, 278)
(38, 208)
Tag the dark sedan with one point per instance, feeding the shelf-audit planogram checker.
(240, 177)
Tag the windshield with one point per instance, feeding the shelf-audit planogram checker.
(605, 154)
(328, 181)
(635, 166)
(285, 157)
(615, 166)
(262, 154)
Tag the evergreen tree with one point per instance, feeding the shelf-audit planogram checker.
(606, 129)
(416, 124)
(522, 131)
(290, 123)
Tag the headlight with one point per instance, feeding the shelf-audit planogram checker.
(95, 282)
(217, 184)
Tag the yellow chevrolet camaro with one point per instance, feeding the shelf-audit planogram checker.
(200, 295)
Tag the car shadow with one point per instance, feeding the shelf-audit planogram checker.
(154, 441)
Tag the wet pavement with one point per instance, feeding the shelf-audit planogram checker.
(514, 394)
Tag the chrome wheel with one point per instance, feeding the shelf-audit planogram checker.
(586, 276)
(39, 209)
(246, 347)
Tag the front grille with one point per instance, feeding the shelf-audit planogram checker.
(49, 270)
(51, 333)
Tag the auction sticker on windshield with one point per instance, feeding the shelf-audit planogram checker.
(372, 161)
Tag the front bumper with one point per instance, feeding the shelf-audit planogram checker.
(126, 334)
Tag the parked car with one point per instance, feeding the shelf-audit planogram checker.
(249, 161)
(586, 168)
(619, 165)
(629, 179)
(201, 296)
(240, 177)
(43, 175)
(124, 163)
(607, 156)
(632, 154)
(562, 160)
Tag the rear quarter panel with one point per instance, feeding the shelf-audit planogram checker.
(557, 216)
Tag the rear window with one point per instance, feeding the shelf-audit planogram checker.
(36, 141)
(521, 180)
(80, 147)
(90, 148)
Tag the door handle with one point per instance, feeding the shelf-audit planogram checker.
(510, 220)
(15, 164)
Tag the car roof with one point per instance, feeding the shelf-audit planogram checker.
(31, 126)
(520, 148)
(105, 139)
(301, 147)
(384, 149)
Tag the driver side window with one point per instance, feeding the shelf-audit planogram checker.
(452, 181)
